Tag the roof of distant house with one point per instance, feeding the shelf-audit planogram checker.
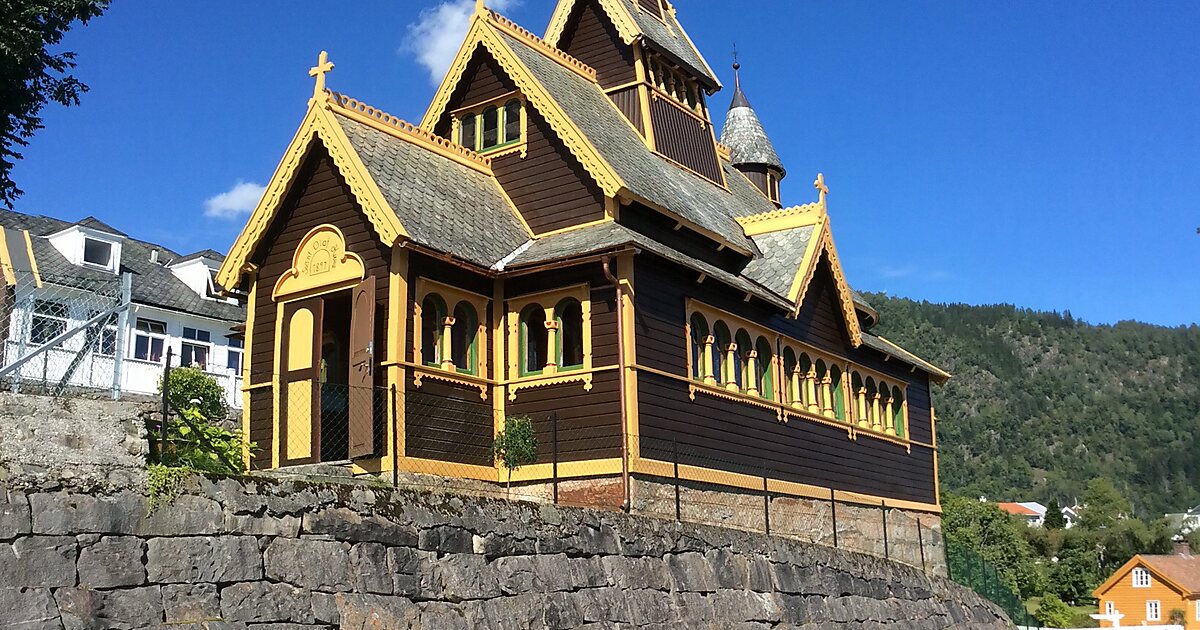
(1017, 509)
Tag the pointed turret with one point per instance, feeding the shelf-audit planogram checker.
(751, 151)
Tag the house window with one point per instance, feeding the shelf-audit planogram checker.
(97, 252)
(233, 357)
(463, 338)
(149, 340)
(49, 321)
(453, 340)
(534, 337)
(569, 317)
(196, 346)
(552, 332)
(1153, 610)
(492, 126)
(1110, 608)
(103, 336)
(1141, 578)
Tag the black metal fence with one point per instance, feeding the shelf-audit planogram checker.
(970, 569)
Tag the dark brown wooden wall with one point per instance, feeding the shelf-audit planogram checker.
(757, 175)
(445, 421)
(549, 187)
(319, 196)
(589, 422)
(683, 138)
(744, 438)
(591, 38)
(629, 101)
(661, 228)
(652, 7)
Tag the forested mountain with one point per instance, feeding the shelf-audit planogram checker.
(1040, 402)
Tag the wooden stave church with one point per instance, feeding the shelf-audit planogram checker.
(615, 182)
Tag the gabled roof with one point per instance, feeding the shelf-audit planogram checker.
(411, 185)
(207, 254)
(1016, 509)
(1180, 572)
(153, 283)
(633, 23)
(565, 92)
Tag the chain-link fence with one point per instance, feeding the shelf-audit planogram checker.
(62, 333)
(970, 569)
(447, 441)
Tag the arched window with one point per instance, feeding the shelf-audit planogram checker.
(721, 354)
(839, 395)
(433, 312)
(898, 412)
(741, 366)
(466, 132)
(463, 351)
(766, 369)
(512, 121)
(491, 128)
(569, 315)
(791, 377)
(533, 340)
(698, 334)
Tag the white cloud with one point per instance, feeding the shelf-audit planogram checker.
(439, 31)
(234, 202)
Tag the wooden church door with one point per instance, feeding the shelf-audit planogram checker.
(300, 382)
(362, 370)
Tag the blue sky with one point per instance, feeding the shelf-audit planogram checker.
(1042, 154)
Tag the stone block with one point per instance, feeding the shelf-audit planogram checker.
(746, 606)
(187, 515)
(636, 573)
(29, 609)
(61, 513)
(459, 577)
(447, 539)
(407, 565)
(373, 612)
(252, 525)
(189, 603)
(203, 559)
(350, 526)
(369, 566)
(38, 562)
(111, 562)
(133, 608)
(692, 572)
(319, 565)
(266, 602)
(14, 515)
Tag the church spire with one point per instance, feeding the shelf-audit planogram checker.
(750, 148)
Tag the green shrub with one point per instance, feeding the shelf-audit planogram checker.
(189, 387)
(516, 445)
(1054, 612)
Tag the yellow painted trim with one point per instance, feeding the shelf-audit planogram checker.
(571, 228)
(499, 363)
(447, 469)
(626, 27)
(702, 474)
(320, 262)
(566, 470)
(628, 313)
(639, 65)
(451, 296)
(250, 388)
(398, 338)
(275, 389)
(499, 102)
(247, 348)
(484, 31)
(318, 124)
(822, 242)
(784, 219)
(37, 276)
(10, 275)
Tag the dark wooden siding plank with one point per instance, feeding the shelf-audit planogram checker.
(591, 38)
(684, 139)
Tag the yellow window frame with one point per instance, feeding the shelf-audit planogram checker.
(548, 301)
(476, 111)
(451, 296)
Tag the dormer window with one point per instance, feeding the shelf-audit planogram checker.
(493, 126)
(98, 253)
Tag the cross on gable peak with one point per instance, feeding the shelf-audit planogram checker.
(323, 67)
(822, 189)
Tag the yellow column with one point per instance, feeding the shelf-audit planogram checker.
(827, 395)
(861, 407)
(551, 346)
(731, 367)
(706, 356)
(810, 390)
(794, 383)
(751, 377)
(889, 420)
(444, 344)
(875, 420)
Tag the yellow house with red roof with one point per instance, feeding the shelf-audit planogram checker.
(1149, 587)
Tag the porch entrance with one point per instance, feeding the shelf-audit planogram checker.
(327, 377)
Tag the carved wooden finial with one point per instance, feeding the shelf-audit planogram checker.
(822, 189)
(480, 9)
(324, 65)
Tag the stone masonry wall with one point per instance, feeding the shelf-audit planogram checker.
(81, 550)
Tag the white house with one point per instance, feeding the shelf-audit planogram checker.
(60, 276)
